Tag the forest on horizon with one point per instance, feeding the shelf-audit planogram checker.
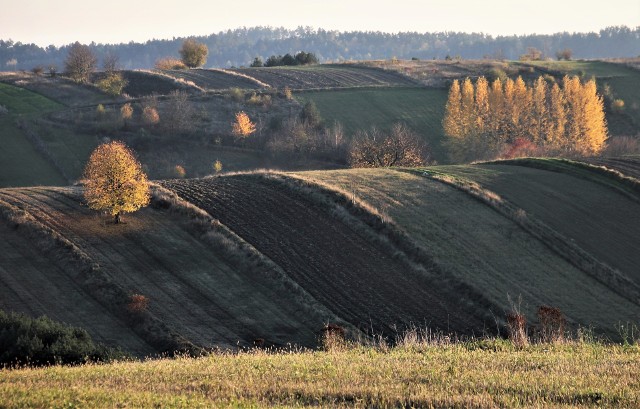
(240, 46)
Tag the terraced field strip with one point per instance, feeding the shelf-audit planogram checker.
(327, 77)
(190, 287)
(601, 221)
(354, 277)
(215, 79)
(421, 109)
(35, 284)
(483, 248)
(629, 166)
(145, 83)
(22, 101)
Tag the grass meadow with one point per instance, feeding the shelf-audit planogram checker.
(421, 109)
(479, 374)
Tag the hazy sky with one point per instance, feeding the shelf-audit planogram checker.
(60, 22)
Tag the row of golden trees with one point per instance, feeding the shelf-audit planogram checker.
(506, 118)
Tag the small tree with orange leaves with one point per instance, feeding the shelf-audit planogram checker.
(243, 126)
(115, 181)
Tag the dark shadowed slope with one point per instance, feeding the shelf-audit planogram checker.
(347, 270)
(198, 283)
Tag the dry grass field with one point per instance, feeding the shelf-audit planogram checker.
(486, 374)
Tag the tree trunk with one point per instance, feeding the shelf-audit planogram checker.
(116, 218)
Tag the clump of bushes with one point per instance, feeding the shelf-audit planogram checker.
(42, 341)
(170, 63)
(113, 84)
(301, 58)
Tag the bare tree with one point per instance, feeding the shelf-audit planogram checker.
(179, 112)
(399, 147)
(110, 63)
(80, 63)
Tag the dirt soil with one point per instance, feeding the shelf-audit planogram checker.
(355, 278)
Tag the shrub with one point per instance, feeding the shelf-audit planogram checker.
(288, 94)
(517, 326)
(621, 145)
(112, 84)
(179, 171)
(617, 105)
(138, 303)
(217, 166)
(150, 116)
(170, 63)
(333, 338)
(236, 94)
(38, 70)
(41, 341)
(126, 112)
(552, 323)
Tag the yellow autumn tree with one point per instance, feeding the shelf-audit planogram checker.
(557, 120)
(452, 116)
(595, 125)
(115, 182)
(539, 117)
(243, 126)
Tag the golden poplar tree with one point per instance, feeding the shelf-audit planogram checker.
(482, 106)
(243, 126)
(496, 111)
(467, 108)
(520, 114)
(453, 112)
(595, 125)
(510, 111)
(557, 119)
(115, 181)
(539, 117)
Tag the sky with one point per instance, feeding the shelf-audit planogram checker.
(46, 22)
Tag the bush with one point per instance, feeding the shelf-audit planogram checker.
(617, 105)
(112, 84)
(137, 302)
(170, 63)
(193, 54)
(236, 94)
(41, 341)
(150, 116)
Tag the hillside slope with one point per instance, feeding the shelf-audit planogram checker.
(204, 287)
(334, 256)
(492, 253)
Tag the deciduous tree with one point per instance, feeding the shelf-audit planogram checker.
(193, 53)
(80, 63)
(243, 127)
(399, 147)
(115, 181)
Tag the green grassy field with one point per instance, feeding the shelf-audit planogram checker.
(22, 164)
(452, 376)
(421, 109)
(583, 211)
(21, 101)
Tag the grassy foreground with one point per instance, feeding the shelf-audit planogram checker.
(483, 374)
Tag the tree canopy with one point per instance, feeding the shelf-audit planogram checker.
(80, 63)
(193, 53)
(115, 182)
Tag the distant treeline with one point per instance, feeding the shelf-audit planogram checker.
(241, 46)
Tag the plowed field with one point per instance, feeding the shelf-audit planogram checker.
(190, 286)
(326, 77)
(214, 79)
(355, 278)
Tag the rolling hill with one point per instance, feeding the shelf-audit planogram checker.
(229, 259)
